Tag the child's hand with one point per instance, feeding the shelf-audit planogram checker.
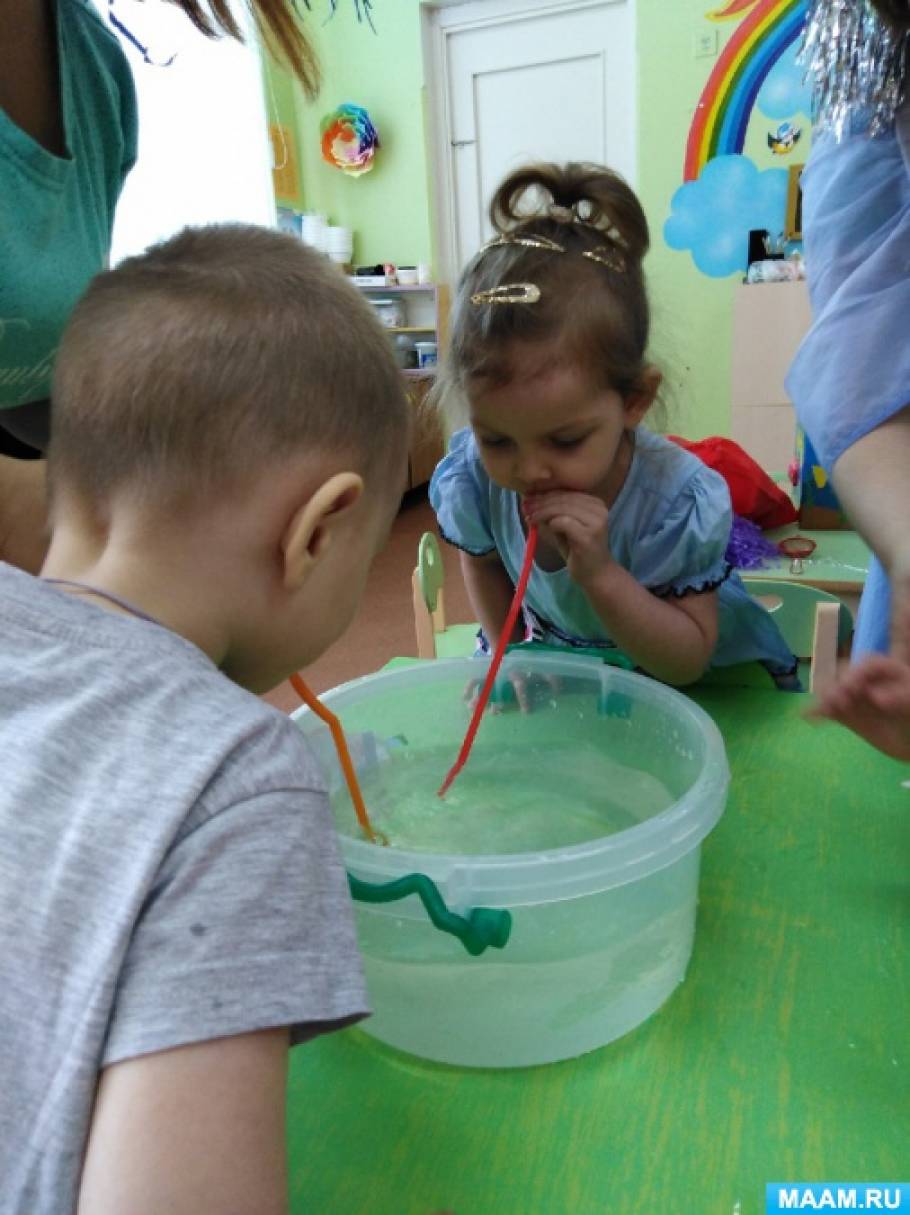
(872, 698)
(577, 524)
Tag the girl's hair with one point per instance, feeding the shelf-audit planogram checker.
(276, 23)
(565, 270)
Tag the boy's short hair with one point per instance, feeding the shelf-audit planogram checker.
(212, 354)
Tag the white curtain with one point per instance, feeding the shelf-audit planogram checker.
(204, 152)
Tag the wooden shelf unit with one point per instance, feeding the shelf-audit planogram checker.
(427, 308)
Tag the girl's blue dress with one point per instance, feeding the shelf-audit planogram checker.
(669, 527)
(852, 371)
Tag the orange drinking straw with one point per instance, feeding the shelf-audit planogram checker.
(504, 638)
(344, 757)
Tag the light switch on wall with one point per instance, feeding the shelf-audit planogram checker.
(705, 44)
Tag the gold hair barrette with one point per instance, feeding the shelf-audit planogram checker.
(529, 242)
(604, 257)
(508, 293)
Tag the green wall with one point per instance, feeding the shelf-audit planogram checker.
(389, 208)
(692, 313)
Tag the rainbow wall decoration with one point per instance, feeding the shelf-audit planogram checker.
(724, 194)
(723, 111)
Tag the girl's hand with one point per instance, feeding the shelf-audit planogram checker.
(577, 524)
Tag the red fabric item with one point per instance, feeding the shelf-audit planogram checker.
(754, 494)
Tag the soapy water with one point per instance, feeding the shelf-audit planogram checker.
(503, 802)
(512, 1013)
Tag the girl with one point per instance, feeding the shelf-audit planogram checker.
(550, 333)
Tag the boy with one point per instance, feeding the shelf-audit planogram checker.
(229, 450)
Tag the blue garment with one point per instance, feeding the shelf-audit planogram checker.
(57, 212)
(852, 371)
(669, 527)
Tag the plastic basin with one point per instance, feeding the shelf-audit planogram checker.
(581, 822)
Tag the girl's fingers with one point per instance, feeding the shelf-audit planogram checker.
(583, 511)
(581, 506)
(573, 532)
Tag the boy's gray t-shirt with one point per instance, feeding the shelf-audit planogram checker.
(168, 871)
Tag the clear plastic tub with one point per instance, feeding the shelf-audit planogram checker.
(582, 820)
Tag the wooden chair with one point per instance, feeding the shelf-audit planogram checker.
(815, 625)
(434, 639)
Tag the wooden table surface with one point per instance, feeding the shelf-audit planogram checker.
(785, 1054)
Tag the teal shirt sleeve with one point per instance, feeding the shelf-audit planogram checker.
(686, 551)
(460, 496)
(57, 212)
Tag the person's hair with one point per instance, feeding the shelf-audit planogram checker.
(186, 369)
(565, 272)
(277, 24)
(895, 12)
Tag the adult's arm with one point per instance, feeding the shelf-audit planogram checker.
(23, 513)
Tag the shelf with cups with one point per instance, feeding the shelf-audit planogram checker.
(409, 312)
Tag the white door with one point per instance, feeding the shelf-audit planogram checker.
(526, 82)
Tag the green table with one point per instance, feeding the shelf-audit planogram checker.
(785, 1055)
(839, 564)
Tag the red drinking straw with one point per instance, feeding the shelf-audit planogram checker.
(504, 638)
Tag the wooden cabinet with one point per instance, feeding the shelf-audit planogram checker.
(426, 437)
(425, 319)
(769, 322)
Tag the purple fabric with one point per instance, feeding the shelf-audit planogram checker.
(747, 548)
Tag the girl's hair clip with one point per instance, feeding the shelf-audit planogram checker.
(508, 293)
(604, 256)
(607, 257)
(529, 242)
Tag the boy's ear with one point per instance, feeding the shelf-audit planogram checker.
(641, 398)
(310, 531)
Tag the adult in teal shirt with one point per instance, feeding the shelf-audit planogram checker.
(59, 185)
(67, 141)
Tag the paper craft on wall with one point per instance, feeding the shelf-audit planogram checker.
(349, 139)
(724, 193)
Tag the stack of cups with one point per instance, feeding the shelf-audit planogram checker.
(313, 230)
(339, 245)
